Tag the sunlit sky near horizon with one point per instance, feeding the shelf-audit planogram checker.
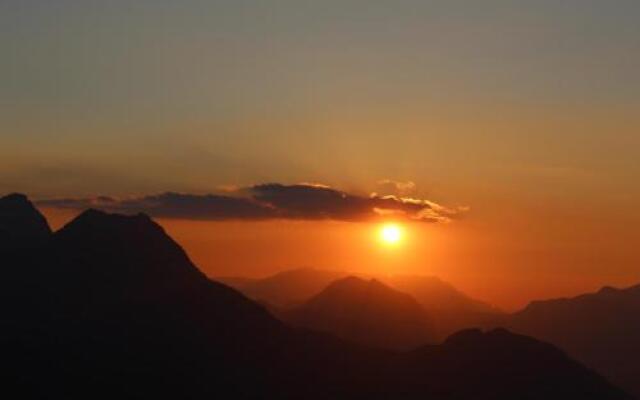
(525, 111)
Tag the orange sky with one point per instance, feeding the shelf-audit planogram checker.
(508, 268)
(525, 111)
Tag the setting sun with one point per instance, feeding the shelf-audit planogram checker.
(390, 234)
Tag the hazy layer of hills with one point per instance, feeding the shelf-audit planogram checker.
(450, 310)
(600, 329)
(367, 312)
(111, 307)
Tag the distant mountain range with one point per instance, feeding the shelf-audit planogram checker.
(111, 307)
(600, 329)
(367, 312)
(450, 310)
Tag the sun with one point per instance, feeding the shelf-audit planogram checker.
(391, 234)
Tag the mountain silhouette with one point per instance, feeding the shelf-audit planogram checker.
(110, 304)
(601, 329)
(111, 307)
(450, 309)
(20, 222)
(367, 312)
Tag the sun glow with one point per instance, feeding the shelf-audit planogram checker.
(391, 234)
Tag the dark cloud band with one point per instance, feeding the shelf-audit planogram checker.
(267, 201)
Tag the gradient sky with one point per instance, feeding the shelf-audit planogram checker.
(525, 111)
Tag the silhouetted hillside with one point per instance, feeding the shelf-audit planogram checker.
(20, 222)
(111, 307)
(601, 329)
(367, 312)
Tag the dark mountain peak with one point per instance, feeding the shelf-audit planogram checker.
(92, 217)
(106, 229)
(608, 289)
(464, 336)
(602, 297)
(21, 224)
(613, 291)
(15, 197)
(600, 329)
(139, 229)
(117, 250)
(491, 355)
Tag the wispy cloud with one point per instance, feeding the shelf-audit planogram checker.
(399, 188)
(268, 201)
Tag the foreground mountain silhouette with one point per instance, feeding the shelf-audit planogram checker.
(600, 329)
(20, 222)
(367, 312)
(111, 307)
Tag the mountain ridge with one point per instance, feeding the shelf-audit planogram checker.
(20, 222)
(600, 329)
(84, 316)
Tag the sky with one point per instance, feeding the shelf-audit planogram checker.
(520, 116)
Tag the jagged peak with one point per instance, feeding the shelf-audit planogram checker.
(17, 197)
(102, 230)
(93, 218)
(125, 251)
(15, 202)
(20, 221)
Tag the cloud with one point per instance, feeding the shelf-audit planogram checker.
(303, 201)
(396, 188)
(174, 205)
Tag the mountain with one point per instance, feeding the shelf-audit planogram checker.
(20, 222)
(286, 288)
(601, 329)
(110, 304)
(367, 312)
(451, 309)
(111, 307)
